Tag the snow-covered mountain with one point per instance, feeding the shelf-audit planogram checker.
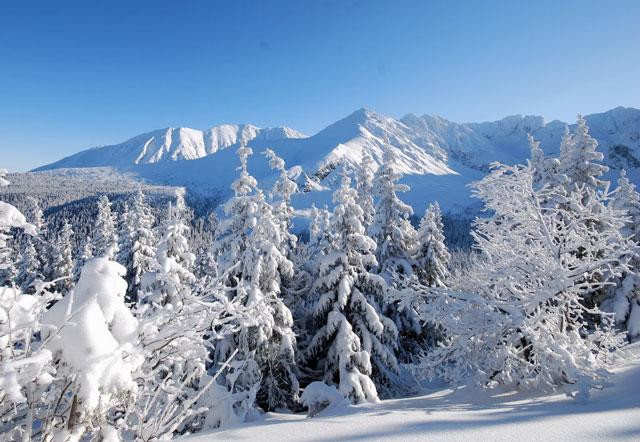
(439, 157)
(479, 144)
(172, 144)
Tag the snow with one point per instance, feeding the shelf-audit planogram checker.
(465, 414)
(172, 144)
(438, 157)
(95, 332)
(318, 397)
(11, 217)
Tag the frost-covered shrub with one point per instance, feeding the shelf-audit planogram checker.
(93, 337)
(522, 315)
(318, 396)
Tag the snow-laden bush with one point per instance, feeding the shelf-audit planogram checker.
(93, 337)
(26, 366)
(318, 396)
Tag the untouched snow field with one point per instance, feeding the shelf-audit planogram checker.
(612, 414)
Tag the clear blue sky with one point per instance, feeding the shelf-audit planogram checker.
(86, 73)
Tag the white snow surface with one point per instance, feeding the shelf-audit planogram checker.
(466, 414)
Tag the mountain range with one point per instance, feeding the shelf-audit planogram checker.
(438, 157)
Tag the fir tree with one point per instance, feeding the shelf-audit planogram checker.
(364, 186)
(105, 238)
(142, 242)
(432, 257)
(391, 228)
(624, 297)
(353, 340)
(62, 265)
(251, 251)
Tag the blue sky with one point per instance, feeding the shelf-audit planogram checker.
(80, 74)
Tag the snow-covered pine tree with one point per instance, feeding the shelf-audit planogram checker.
(41, 243)
(8, 256)
(432, 257)
(538, 162)
(624, 297)
(580, 159)
(364, 177)
(105, 238)
(173, 322)
(353, 341)
(319, 229)
(142, 242)
(396, 239)
(391, 228)
(268, 269)
(251, 248)
(61, 260)
(124, 234)
(85, 253)
(241, 212)
(281, 193)
(29, 268)
(171, 280)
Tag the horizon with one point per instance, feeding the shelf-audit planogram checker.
(75, 81)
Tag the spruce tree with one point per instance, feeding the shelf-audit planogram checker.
(251, 251)
(391, 228)
(353, 341)
(62, 265)
(364, 186)
(432, 257)
(105, 238)
(142, 242)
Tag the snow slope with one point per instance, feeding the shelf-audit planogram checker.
(466, 414)
(439, 157)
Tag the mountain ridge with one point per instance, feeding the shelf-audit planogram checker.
(438, 157)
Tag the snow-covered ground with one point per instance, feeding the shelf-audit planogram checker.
(612, 414)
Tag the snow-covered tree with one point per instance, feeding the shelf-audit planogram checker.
(25, 367)
(432, 257)
(179, 320)
(353, 340)
(124, 235)
(319, 228)
(61, 260)
(84, 254)
(142, 242)
(171, 279)
(624, 297)
(391, 228)
(281, 193)
(519, 317)
(580, 159)
(241, 216)
(252, 249)
(364, 177)
(105, 238)
(29, 267)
